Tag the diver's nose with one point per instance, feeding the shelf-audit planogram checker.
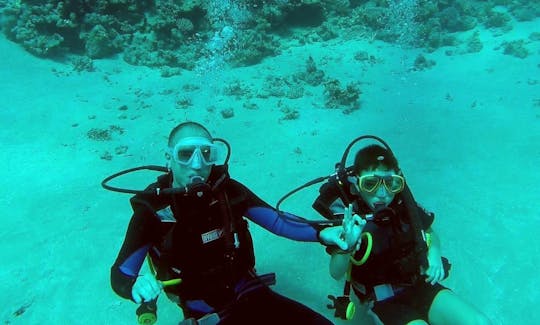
(196, 163)
(382, 191)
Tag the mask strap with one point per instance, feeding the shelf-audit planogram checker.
(354, 186)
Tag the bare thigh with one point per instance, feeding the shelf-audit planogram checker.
(448, 308)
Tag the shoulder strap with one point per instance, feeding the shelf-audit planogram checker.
(420, 243)
(229, 224)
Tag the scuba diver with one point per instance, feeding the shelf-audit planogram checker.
(393, 263)
(191, 224)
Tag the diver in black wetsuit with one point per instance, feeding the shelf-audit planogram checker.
(191, 224)
(394, 262)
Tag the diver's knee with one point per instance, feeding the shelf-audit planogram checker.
(481, 319)
(417, 322)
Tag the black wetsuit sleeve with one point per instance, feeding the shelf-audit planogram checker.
(249, 199)
(136, 243)
(121, 283)
(426, 217)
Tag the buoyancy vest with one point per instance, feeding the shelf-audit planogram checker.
(395, 257)
(205, 241)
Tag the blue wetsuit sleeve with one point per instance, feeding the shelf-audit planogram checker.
(132, 254)
(123, 276)
(133, 263)
(269, 219)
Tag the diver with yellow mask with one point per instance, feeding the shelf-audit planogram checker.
(393, 263)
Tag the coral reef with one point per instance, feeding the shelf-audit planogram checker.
(422, 63)
(227, 113)
(474, 44)
(289, 114)
(207, 34)
(515, 48)
(82, 63)
(289, 87)
(336, 97)
(52, 28)
(312, 76)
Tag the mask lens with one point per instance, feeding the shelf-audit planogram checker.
(369, 183)
(184, 155)
(394, 183)
(207, 154)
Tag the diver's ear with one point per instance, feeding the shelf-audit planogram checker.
(168, 162)
(353, 185)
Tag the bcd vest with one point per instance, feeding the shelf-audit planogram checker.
(202, 240)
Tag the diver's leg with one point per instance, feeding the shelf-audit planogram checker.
(287, 311)
(417, 322)
(264, 306)
(396, 312)
(448, 308)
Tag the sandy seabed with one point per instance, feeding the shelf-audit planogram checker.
(466, 132)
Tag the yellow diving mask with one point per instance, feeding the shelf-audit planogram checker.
(392, 183)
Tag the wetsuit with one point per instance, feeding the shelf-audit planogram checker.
(203, 238)
(390, 278)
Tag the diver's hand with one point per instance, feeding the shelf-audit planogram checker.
(345, 236)
(145, 288)
(352, 228)
(333, 236)
(435, 271)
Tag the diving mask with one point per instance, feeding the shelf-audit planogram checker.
(392, 183)
(189, 149)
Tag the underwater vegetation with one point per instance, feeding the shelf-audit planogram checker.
(206, 34)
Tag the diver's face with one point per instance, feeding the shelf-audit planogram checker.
(380, 197)
(193, 167)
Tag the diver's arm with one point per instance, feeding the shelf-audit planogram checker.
(435, 272)
(286, 225)
(130, 258)
(289, 225)
(124, 274)
(339, 263)
(434, 246)
(293, 227)
(263, 214)
(434, 242)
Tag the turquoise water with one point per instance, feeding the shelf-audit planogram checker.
(88, 91)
